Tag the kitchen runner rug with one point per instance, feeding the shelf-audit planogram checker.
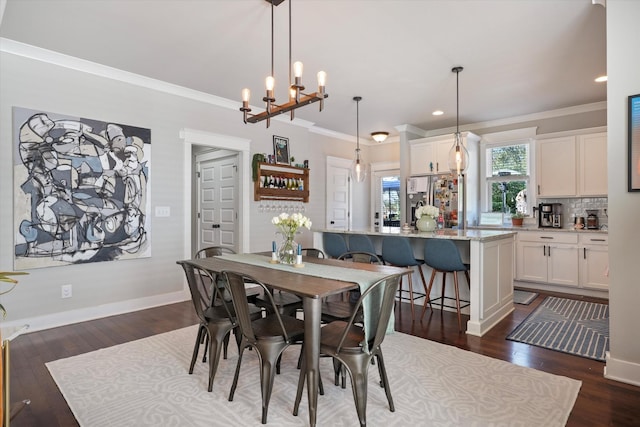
(523, 297)
(570, 326)
(145, 383)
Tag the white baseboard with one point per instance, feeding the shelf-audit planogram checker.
(622, 370)
(91, 313)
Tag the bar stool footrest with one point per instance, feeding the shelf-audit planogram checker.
(463, 303)
(416, 295)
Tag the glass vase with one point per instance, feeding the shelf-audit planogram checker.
(288, 250)
(426, 223)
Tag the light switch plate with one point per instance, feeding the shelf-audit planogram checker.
(163, 211)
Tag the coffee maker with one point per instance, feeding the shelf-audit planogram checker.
(550, 215)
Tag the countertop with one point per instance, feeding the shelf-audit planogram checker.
(533, 227)
(483, 235)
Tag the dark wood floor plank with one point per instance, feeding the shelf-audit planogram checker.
(601, 402)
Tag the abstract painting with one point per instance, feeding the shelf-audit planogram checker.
(81, 190)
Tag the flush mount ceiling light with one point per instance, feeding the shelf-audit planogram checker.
(458, 155)
(297, 98)
(379, 136)
(358, 168)
(437, 113)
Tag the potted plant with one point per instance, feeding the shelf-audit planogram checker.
(516, 219)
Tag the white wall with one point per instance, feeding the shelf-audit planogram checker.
(623, 69)
(107, 288)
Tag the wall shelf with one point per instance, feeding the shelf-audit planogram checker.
(280, 183)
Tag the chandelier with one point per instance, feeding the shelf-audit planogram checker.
(458, 155)
(297, 98)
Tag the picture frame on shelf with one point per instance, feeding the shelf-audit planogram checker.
(634, 142)
(281, 149)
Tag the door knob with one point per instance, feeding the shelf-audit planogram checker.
(332, 222)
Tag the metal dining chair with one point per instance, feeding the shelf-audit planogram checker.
(343, 340)
(269, 336)
(216, 316)
(444, 257)
(396, 250)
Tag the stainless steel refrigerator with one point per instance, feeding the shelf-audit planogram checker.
(439, 190)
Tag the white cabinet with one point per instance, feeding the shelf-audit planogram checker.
(556, 167)
(593, 252)
(547, 257)
(572, 166)
(592, 164)
(428, 156)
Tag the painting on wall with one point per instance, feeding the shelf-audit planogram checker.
(634, 142)
(81, 190)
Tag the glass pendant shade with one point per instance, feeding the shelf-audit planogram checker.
(458, 156)
(359, 170)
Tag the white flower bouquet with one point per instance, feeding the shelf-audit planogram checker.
(289, 224)
(427, 210)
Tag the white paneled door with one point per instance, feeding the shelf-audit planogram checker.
(218, 201)
(338, 193)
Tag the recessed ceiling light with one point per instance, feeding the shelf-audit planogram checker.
(438, 113)
(601, 79)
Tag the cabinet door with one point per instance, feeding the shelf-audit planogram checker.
(563, 264)
(531, 263)
(556, 167)
(592, 165)
(442, 156)
(421, 156)
(594, 269)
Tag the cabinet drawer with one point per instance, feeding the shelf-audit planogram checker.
(548, 237)
(594, 239)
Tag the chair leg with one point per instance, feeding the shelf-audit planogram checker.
(214, 356)
(444, 281)
(424, 284)
(424, 306)
(384, 379)
(237, 374)
(413, 316)
(466, 273)
(359, 388)
(457, 291)
(196, 348)
(267, 375)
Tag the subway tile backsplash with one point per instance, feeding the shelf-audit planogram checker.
(574, 207)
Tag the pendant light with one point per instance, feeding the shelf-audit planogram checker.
(458, 155)
(358, 168)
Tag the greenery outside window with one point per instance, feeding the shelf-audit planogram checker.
(507, 177)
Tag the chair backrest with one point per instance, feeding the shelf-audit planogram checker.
(213, 251)
(442, 255)
(380, 300)
(396, 250)
(361, 243)
(313, 252)
(334, 244)
(203, 294)
(235, 283)
(361, 256)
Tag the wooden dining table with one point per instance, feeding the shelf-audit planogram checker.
(312, 290)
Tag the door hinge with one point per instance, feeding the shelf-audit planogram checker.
(198, 215)
(197, 174)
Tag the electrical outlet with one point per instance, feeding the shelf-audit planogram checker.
(66, 291)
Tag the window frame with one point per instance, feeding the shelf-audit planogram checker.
(486, 182)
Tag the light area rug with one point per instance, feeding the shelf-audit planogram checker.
(523, 297)
(576, 327)
(146, 383)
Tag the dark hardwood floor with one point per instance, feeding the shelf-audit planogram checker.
(601, 402)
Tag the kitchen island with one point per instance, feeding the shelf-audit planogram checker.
(490, 254)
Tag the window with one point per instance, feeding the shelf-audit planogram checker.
(391, 201)
(507, 177)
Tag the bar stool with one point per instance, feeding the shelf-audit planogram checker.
(443, 256)
(334, 244)
(361, 243)
(397, 251)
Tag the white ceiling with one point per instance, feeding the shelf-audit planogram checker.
(519, 56)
